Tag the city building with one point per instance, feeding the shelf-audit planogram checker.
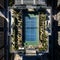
(30, 26)
(3, 30)
(30, 29)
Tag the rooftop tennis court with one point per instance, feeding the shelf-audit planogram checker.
(32, 29)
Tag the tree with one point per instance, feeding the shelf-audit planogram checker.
(11, 2)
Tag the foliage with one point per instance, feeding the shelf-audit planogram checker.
(11, 2)
(43, 35)
(16, 29)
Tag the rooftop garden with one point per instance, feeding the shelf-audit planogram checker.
(16, 37)
(17, 30)
(11, 2)
(43, 33)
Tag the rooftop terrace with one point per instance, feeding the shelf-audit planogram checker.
(29, 30)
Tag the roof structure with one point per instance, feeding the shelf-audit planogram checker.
(29, 2)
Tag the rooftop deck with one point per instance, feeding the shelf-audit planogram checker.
(32, 33)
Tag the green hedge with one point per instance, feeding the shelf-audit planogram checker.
(11, 2)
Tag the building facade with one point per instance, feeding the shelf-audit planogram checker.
(1, 31)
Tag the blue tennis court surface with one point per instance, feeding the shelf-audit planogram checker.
(31, 29)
